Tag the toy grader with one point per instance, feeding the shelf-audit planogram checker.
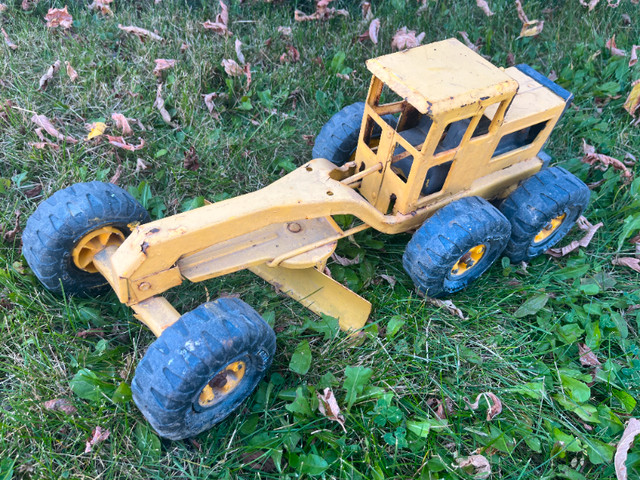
(459, 134)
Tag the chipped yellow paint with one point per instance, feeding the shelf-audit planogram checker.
(467, 261)
(549, 228)
(285, 232)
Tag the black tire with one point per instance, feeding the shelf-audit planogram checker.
(546, 195)
(58, 224)
(189, 355)
(338, 138)
(446, 237)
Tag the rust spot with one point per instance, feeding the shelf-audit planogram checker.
(144, 247)
(219, 381)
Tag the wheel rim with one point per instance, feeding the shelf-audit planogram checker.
(469, 260)
(549, 229)
(222, 384)
(93, 243)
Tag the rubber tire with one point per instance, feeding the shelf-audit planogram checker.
(180, 363)
(53, 230)
(338, 138)
(544, 196)
(447, 235)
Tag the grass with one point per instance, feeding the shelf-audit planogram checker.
(552, 425)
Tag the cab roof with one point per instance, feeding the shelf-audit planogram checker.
(441, 76)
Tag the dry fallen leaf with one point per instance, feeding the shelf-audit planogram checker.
(328, 407)
(71, 73)
(53, 69)
(208, 101)
(191, 160)
(391, 280)
(441, 409)
(98, 436)
(468, 42)
(7, 40)
(122, 143)
(232, 68)
(141, 33)
(141, 166)
(291, 55)
(615, 51)
(323, 12)
(33, 192)
(530, 28)
(285, 31)
(602, 162)
(184, 47)
(634, 55)
(27, 4)
(96, 129)
(448, 305)
(60, 405)
(485, 7)
(632, 263)
(221, 25)
(374, 29)
(583, 224)
(159, 104)
(239, 54)
(632, 103)
(344, 261)
(102, 6)
(122, 123)
(404, 38)
(9, 236)
(163, 64)
(367, 14)
(44, 144)
(495, 405)
(259, 460)
(43, 122)
(477, 465)
(59, 17)
(587, 357)
(629, 434)
(116, 176)
(592, 3)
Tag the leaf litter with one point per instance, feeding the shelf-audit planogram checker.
(122, 143)
(99, 435)
(7, 40)
(583, 224)
(405, 38)
(603, 162)
(530, 28)
(159, 104)
(58, 17)
(163, 64)
(622, 450)
(495, 405)
(43, 122)
(484, 6)
(142, 33)
(122, 123)
(60, 405)
(477, 465)
(221, 24)
(51, 71)
(323, 12)
(71, 73)
(328, 407)
(102, 6)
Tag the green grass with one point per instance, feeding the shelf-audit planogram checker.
(529, 361)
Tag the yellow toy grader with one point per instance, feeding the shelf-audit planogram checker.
(442, 134)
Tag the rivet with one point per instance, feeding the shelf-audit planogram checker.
(294, 227)
(144, 286)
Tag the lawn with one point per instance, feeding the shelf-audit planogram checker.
(520, 326)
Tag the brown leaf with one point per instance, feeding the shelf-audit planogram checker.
(291, 55)
(634, 55)
(448, 305)
(531, 29)
(367, 14)
(159, 104)
(441, 410)
(163, 64)
(521, 15)
(404, 38)
(122, 123)
(102, 6)
(592, 3)
(485, 7)
(374, 29)
(495, 405)
(285, 31)
(620, 458)
(632, 263)
(615, 51)
(220, 26)
(602, 162)
(33, 192)
(232, 68)
(141, 33)
(477, 465)
(583, 224)
(44, 144)
(259, 460)
(44, 122)
(71, 73)
(116, 176)
(141, 166)
(9, 236)
(247, 73)
(587, 357)
(468, 42)
(328, 407)
(27, 4)
(208, 101)
(184, 47)
(52, 70)
(239, 54)
(323, 12)
(345, 262)
(122, 143)
(389, 278)
(59, 17)
(191, 159)
(60, 405)
(7, 40)
(98, 436)
(309, 139)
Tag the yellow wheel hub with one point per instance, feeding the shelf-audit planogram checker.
(549, 228)
(468, 260)
(92, 243)
(223, 383)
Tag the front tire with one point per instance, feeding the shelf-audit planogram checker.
(203, 367)
(455, 246)
(542, 210)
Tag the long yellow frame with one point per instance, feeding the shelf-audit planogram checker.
(285, 233)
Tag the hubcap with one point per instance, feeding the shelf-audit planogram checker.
(549, 228)
(92, 243)
(223, 383)
(468, 260)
